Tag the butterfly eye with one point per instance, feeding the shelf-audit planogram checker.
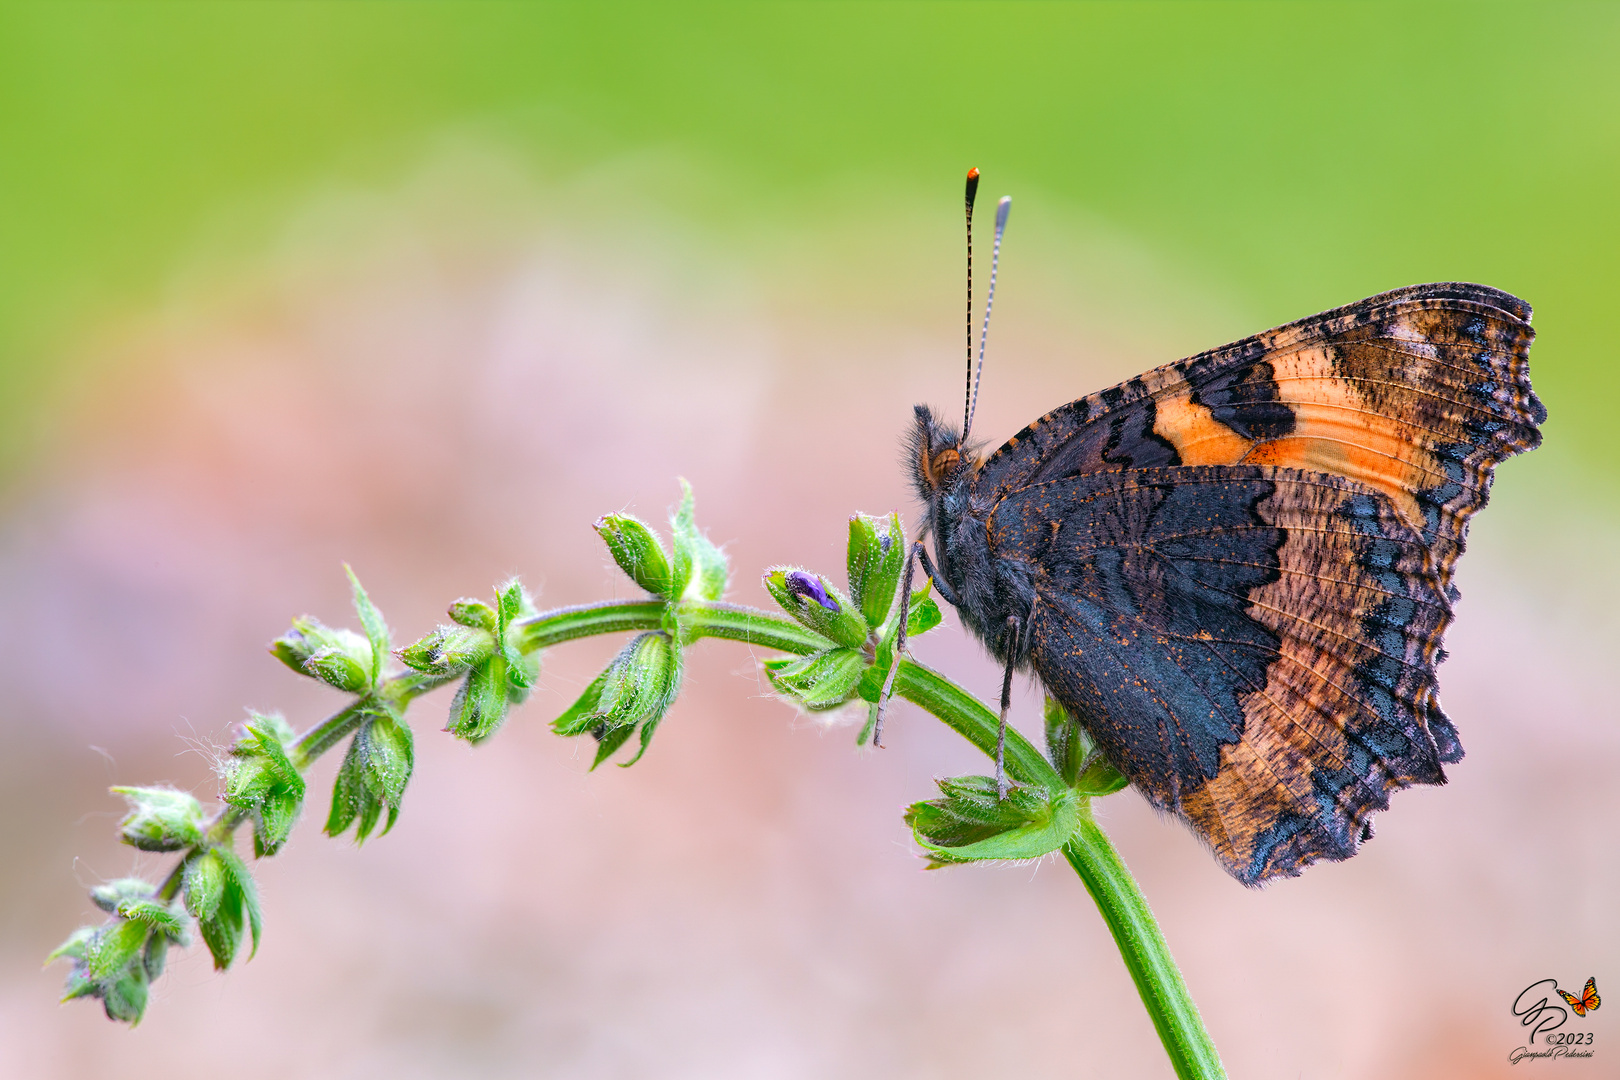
(943, 464)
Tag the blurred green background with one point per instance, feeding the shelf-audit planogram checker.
(1301, 154)
(427, 287)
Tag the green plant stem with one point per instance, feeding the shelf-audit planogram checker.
(1144, 951)
(1094, 859)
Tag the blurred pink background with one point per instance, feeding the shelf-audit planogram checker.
(444, 382)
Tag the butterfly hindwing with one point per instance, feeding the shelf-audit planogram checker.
(1417, 393)
(1252, 646)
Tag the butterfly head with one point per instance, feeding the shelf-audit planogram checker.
(936, 456)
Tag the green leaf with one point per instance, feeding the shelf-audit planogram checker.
(160, 818)
(371, 621)
(636, 549)
(971, 824)
(876, 557)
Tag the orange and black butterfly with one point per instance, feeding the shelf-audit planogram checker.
(1587, 1002)
(1235, 570)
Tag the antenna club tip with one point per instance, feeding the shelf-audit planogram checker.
(973, 173)
(1003, 208)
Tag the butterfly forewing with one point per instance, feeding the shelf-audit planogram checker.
(1417, 393)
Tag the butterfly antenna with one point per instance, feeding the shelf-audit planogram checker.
(1003, 208)
(967, 383)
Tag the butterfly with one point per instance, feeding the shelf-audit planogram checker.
(1587, 1002)
(1235, 570)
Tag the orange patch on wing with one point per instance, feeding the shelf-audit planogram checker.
(1198, 437)
(1335, 431)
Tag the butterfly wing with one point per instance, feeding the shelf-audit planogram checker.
(1576, 1003)
(1589, 997)
(1253, 646)
(1417, 393)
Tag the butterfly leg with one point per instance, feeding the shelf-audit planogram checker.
(917, 551)
(1013, 626)
(944, 590)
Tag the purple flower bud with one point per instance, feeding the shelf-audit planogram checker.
(801, 584)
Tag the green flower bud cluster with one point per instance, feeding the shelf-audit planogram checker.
(642, 682)
(220, 894)
(860, 628)
(262, 782)
(117, 961)
(480, 647)
(265, 782)
(971, 824)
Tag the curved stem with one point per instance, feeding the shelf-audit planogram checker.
(1144, 951)
(1089, 852)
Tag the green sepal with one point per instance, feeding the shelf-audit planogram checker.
(231, 901)
(876, 557)
(449, 650)
(972, 824)
(239, 903)
(125, 997)
(108, 896)
(373, 777)
(203, 883)
(474, 615)
(263, 782)
(580, 717)
(845, 625)
(75, 947)
(922, 614)
(699, 571)
(1072, 751)
(340, 658)
(636, 549)
(111, 951)
(638, 685)
(371, 621)
(157, 916)
(635, 691)
(479, 706)
(521, 670)
(160, 818)
(608, 741)
(822, 680)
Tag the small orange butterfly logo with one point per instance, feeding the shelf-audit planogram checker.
(1587, 1002)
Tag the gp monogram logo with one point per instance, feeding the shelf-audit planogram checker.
(1535, 1009)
